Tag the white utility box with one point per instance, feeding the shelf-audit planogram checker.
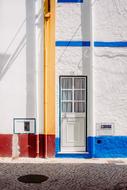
(105, 129)
(24, 126)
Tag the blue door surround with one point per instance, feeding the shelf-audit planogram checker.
(73, 155)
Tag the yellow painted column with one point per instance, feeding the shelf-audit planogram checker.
(49, 75)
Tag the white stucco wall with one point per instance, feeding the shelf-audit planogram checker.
(21, 81)
(18, 81)
(110, 87)
(109, 64)
(109, 20)
(73, 23)
(13, 66)
(107, 89)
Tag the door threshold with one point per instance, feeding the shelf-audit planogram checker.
(73, 155)
(72, 152)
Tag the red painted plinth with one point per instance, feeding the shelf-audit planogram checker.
(27, 145)
(30, 145)
(5, 145)
(47, 146)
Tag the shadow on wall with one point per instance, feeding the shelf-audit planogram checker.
(3, 61)
(32, 22)
(86, 34)
(7, 60)
(30, 59)
(27, 41)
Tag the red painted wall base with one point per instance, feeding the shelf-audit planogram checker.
(5, 145)
(47, 146)
(30, 145)
(27, 144)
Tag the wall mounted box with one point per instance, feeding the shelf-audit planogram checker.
(105, 129)
(24, 126)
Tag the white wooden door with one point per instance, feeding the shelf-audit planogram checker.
(73, 114)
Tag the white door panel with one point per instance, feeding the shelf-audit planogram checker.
(73, 132)
(73, 117)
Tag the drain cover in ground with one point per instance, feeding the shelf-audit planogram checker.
(32, 178)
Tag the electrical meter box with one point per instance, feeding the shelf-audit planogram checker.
(105, 129)
(24, 126)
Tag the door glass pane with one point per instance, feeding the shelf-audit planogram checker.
(66, 106)
(79, 83)
(79, 107)
(67, 83)
(66, 95)
(79, 95)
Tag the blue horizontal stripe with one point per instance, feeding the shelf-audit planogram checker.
(87, 44)
(70, 1)
(110, 44)
(72, 43)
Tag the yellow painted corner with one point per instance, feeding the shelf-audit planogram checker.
(49, 67)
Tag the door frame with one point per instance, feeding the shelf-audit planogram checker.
(60, 125)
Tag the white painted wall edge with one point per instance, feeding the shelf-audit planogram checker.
(39, 41)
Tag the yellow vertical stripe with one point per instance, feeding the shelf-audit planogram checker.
(49, 67)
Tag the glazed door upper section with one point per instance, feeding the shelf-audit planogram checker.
(73, 114)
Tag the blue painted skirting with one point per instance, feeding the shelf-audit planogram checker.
(110, 147)
(70, 1)
(73, 43)
(63, 155)
(100, 147)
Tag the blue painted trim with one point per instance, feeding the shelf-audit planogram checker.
(110, 44)
(87, 44)
(72, 43)
(59, 115)
(62, 155)
(70, 1)
(57, 142)
(71, 155)
(91, 145)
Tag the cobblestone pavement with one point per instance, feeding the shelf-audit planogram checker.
(93, 174)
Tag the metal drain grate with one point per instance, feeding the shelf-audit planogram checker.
(32, 178)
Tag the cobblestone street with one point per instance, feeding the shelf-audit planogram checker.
(65, 174)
